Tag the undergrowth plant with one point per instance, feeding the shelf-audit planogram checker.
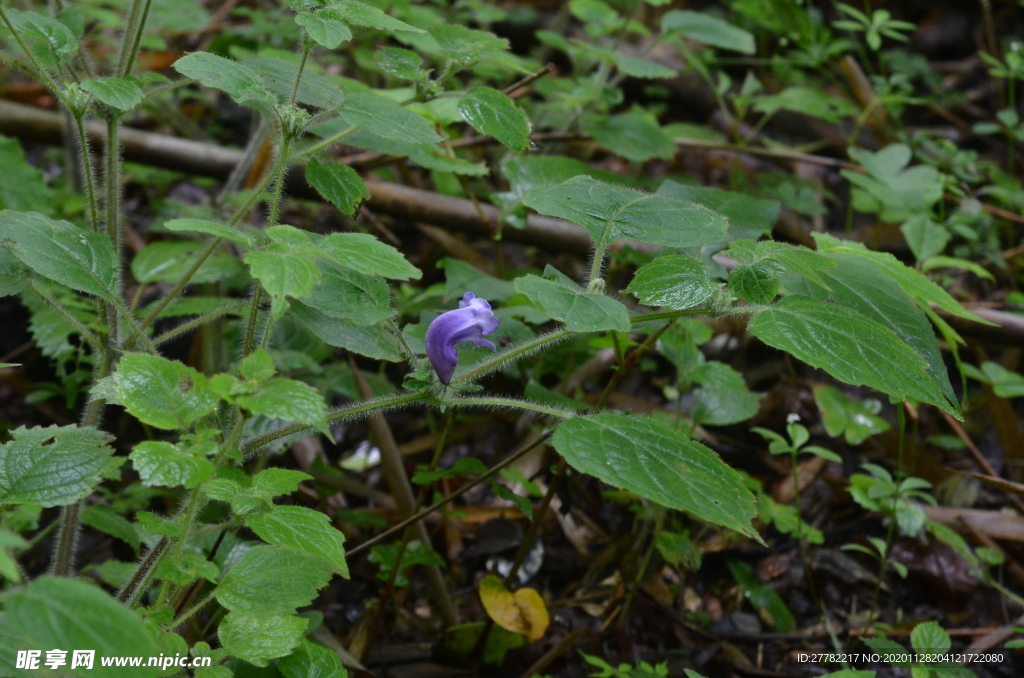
(275, 300)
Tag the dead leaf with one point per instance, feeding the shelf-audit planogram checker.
(521, 612)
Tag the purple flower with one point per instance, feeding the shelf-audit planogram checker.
(469, 322)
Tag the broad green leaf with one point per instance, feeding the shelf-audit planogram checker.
(763, 597)
(841, 415)
(54, 34)
(849, 346)
(466, 45)
(348, 294)
(930, 638)
(425, 155)
(161, 392)
(607, 212)
(808, 101)
(279, 77)
(748, 217)
(258, 638)
(708, 29)
(925, 237)
(386, 118)
(209, 228)
(758, 283)
(1005, 384)
(723, 397)
(289, 400)
(124, 95)
(24, 187)
(360, 14)
(106, 520)
(364, 253)
(168, 260)
(492, 112)
(240, 82)
(641, 68)
(310, 660)
(635, 136)
(304, 530)
(160, 463)
(374, 341)
(792, 258)
(257, 366)
(580, 311)
(272, 482)
(461, 277)
(338, 183)
(71, 614)
(52, 465)
(284, 272)
(59, 250)
(323, 28)
(666, 467)
(673, 281)
(402, 63)
(272, 580)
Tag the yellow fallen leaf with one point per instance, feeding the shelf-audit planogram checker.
(521, 612)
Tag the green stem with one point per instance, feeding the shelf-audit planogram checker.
(132, 36)
(192, 324)
(90, 186)
(143, 573)
(489, 401)
(326, 142)
(192, 610)
(666, 315)
(89, 337)
(298, 76)
(50, 84)
(112, 184)
(517, 351)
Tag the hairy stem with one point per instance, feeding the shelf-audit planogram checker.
(137, 16)
(87, 171)
(517, 351)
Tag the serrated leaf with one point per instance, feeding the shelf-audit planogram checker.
(323, 28)
(160, 463)
(188, 567)
(278, 75)
(673, 281)
(239, 82)
(401, 63)
(272, 482)
(361, 14)
(272, 580)
(364, 253)
(580, 311)
(607, 212)
(207, 227)
(304, 530)
(849, 346)
(667, 467)
(757, 283)
(310, 660)
(348, 294)
(634, 135)
(723, 397)
(124, 95)
(168, 261)
(338, 183)
(289, 400)
(708, 29)
(492, 112)
(24, 187)
(749, 217)
(284, 272)
(386, 118)
(59, 250)
(59, 612)
(259, 638)
(161, 392)
(374, 341)
(52, 465)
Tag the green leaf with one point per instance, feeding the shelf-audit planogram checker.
(188, 567)
(461, 277)
(579, 310)
(284, 271)
(258, 638)
(843, 415)
(311, 660)
(24, 187)
(240, 82)
(272, 580)
(361, 14)
(386, 118)
(59, 612)
(466, 45)
(35, 26)
(808, 101)
(124, 95)
(402, 63)
(925, 237)
(324, 29)
(59, 250)
(930, 638)
(723, 397)
(748, 217)
(1005, 384)
(939, 261)
(207, 227)
(758, 283)
(52, 465)
(607, 212)
(849, 346)
(304, 530)
(492, 112)
(168, 261)
(763, 597)
(162, 393)
(374, 341)
(278, 75)
(667, 467)
(673, 281)
(364, 253)
(160, 463)
(348, 294)
(289, 400)
(106, 520)
(635, 136)
(258, 366)
(708, 29)
(272, 482)
(338, 183)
